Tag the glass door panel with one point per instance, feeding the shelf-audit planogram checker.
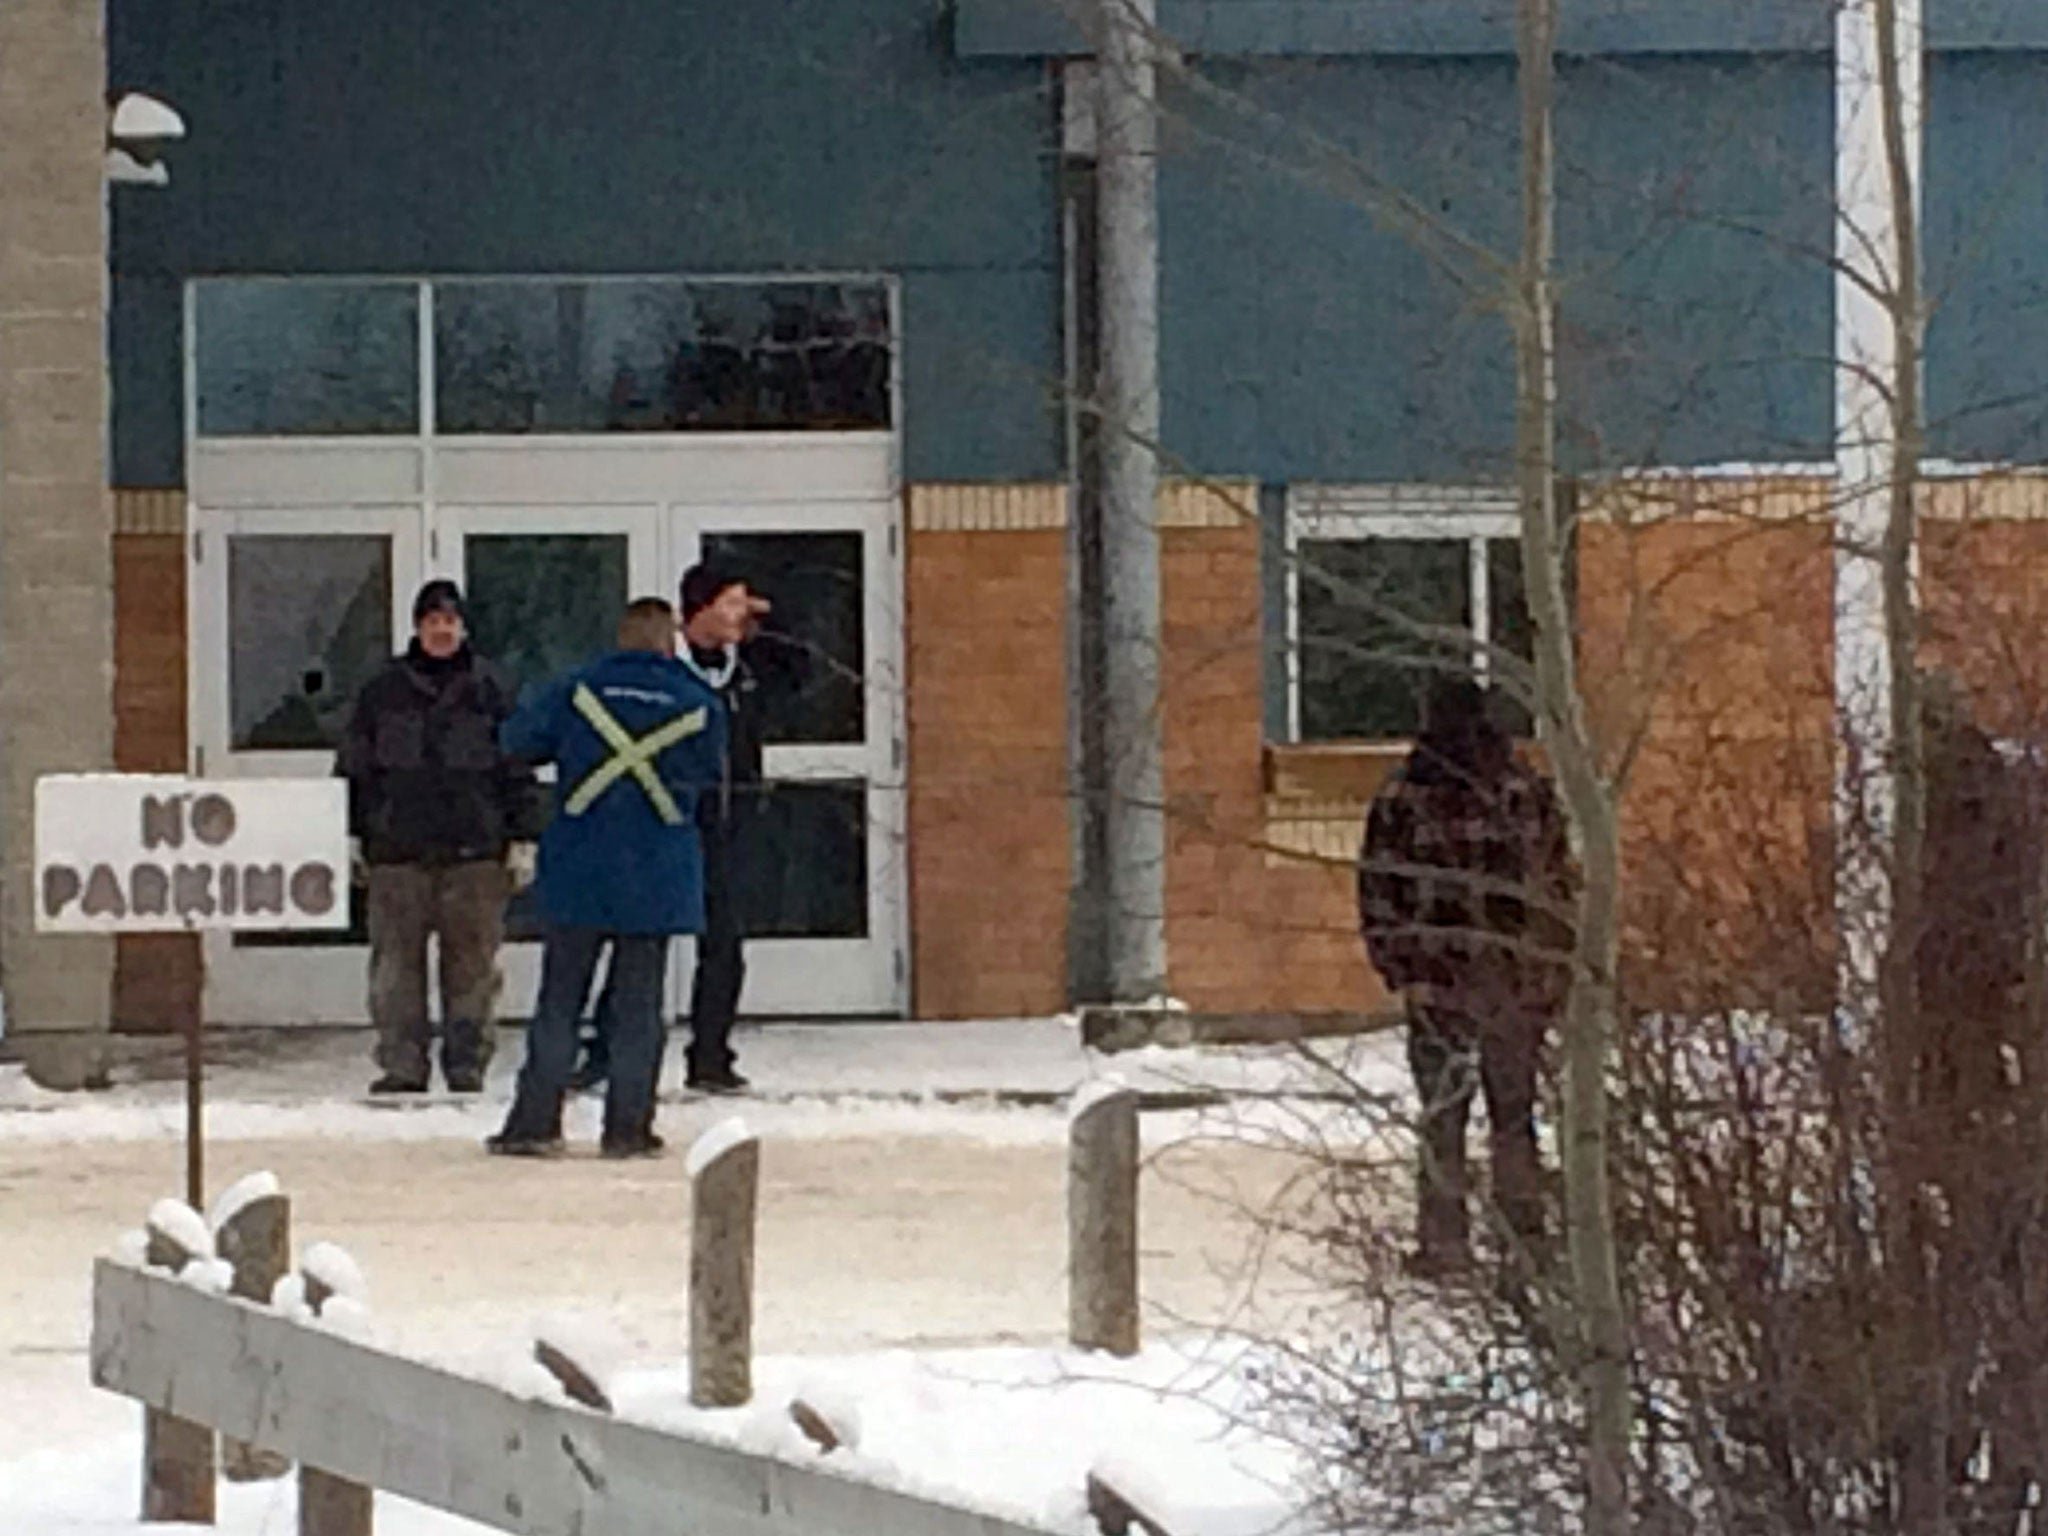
(546, 587)
(820, 868)
(292, 612)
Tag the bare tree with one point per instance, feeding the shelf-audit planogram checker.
(1589, 797)
(1757, 1328)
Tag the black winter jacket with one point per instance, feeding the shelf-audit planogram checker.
(739, 794)
(428, 783)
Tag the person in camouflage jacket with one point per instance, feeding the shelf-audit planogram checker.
(1465, 892)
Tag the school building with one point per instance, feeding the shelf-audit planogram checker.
(555, 296)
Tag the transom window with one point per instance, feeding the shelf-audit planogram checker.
(1389, 586)
(384, 357)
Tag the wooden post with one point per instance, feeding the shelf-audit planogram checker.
(333, 1506)
(1114, 1512)
(1102, 1221)
(177, 1456)
(257, 1241)
(330, 1505)
(195, 1105)
(816, 1427)
(576, 1382)
(725, 1171)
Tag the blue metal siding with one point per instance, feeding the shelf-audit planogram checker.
(1304, 339)
(1444, 28)
(605, 136)
(1695, 239)
(1987, 258)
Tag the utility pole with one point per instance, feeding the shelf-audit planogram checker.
(1127, 156)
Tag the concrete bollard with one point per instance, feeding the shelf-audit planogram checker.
(1102, 1220)
(256, 1239)
(725, 1175)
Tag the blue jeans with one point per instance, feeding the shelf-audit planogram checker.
(638, 975)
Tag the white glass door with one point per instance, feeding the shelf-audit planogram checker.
(822, 873)
(546, 587)
(292, 612)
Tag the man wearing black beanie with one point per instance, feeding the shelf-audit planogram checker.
(436, 807)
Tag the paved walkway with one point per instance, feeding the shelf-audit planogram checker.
(1016, 1062)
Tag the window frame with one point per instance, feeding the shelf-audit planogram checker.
(427, 430)
(1475, 515)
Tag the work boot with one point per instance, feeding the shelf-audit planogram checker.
(646, 1144)
(723, 1082)
(502, 1145)
(465, 1054)
(391, 1083)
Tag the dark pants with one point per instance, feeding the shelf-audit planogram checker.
(715, 988)
(721, 963)
(567, 966)
(463, 905)
(1454, 1057)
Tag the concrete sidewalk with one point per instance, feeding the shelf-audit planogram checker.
(1024, 1062)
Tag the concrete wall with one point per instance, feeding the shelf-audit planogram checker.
(56, 577)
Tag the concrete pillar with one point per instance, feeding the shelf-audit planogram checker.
(56, 519)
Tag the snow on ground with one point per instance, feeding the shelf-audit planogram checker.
(18, 1092)
(1010, 1432)
(1016, 1432)
(94, 1492)
(980, 1081)
(912, 1274)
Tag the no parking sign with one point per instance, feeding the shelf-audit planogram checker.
(134, 853)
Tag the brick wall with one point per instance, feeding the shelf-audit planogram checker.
(1704, 612)
(1705, 622)
(156, 976)
(1707, 611)
(1984, 588)
(1251, 927)
(989, 836)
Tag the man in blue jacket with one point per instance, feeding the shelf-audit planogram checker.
(634, 738)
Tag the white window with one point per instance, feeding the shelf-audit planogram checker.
(1389, 586)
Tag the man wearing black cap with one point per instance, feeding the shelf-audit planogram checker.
(719, 611)
(436, 807)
